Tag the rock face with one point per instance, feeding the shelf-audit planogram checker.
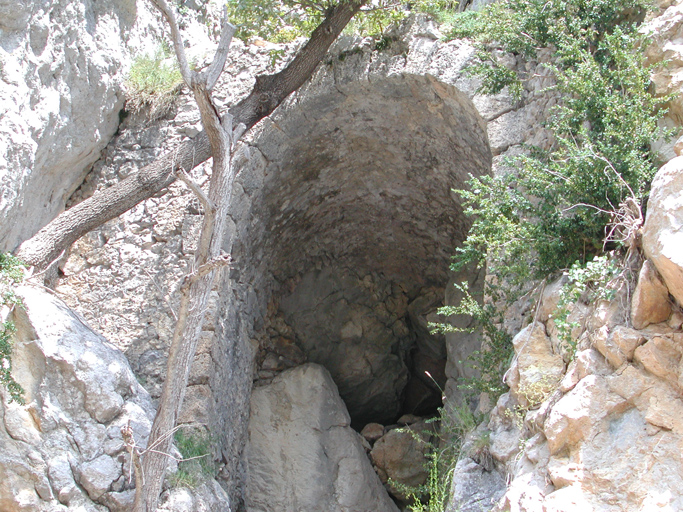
(353, 175)
(64, 449)
(662, 234)
(650, 303)
(302, 454)
(581, 443)
(666, 31)
(356, 328)
(61, 70)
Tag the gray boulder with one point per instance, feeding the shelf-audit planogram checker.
(302, 454)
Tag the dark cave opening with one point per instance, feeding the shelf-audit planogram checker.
(358, 221)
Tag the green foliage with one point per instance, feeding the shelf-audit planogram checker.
(554, 207)
(444, 450)
(197, 464)
(557, 204)
(494, 357)
(11, 274)
(273, 20)
(153, 82)
(282, 21)
(588, 283)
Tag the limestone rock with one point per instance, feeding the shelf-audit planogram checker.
(372, 432)
(661, 356)
(302, 453)
(580, 413)
(401, 456)
(539, 367)
(207, 497)
(64, 447)
(473, 488)
(662, 234)
(63, 64)
(650, 304)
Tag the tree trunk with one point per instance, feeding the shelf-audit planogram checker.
(268, 92)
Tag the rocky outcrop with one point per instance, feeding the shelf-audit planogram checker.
(62, 65)
(662, 235)
(302, 454)
(63, 450)
(666, 32)
(579, 442)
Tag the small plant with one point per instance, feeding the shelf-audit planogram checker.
(153, 82)
(454, 424)
(494, 357)
(587, 283)
(197, 464)
(11, 274)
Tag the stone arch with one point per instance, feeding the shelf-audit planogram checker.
(344, 226)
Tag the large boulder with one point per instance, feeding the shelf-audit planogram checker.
(302, 454)
(63, 449)
(662, 234)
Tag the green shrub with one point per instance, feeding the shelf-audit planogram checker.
(11, 274)
(444, 450)
(153, 82)
(555, 206)
(589, 283)
(196, 448)
(282, 21)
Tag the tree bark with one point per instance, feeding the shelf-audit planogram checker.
(197, 285)
(268, 92)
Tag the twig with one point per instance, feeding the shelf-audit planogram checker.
(206, 268)
(185, 71)
(194, 187)
(216, 68)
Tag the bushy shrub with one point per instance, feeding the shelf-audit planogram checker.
(554, 208)
(153, 82)
(11, 273)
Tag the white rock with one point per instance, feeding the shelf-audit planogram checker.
(663, 230)
(79, 390)
(302, 454)
(63, 65)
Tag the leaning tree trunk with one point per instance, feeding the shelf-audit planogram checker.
(197, 284)
(269, 91)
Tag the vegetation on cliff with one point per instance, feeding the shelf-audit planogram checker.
(11, 273)
(563, 205)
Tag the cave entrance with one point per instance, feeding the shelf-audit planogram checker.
(358, 223)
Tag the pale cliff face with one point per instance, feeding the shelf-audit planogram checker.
(62, 65)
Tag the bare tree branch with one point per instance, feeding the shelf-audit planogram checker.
(216, 68)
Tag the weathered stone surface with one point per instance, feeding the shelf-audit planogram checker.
(207, 497)
(662, 234)
(399, 456)
(372, 432)
(302, 454)
(64, 447)
(661, 357)
(650, 304)
(538, 367)
(666, 31)
(98, 475)
(63, 65)
(348, 323)
(580, 413)
(474, 489)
